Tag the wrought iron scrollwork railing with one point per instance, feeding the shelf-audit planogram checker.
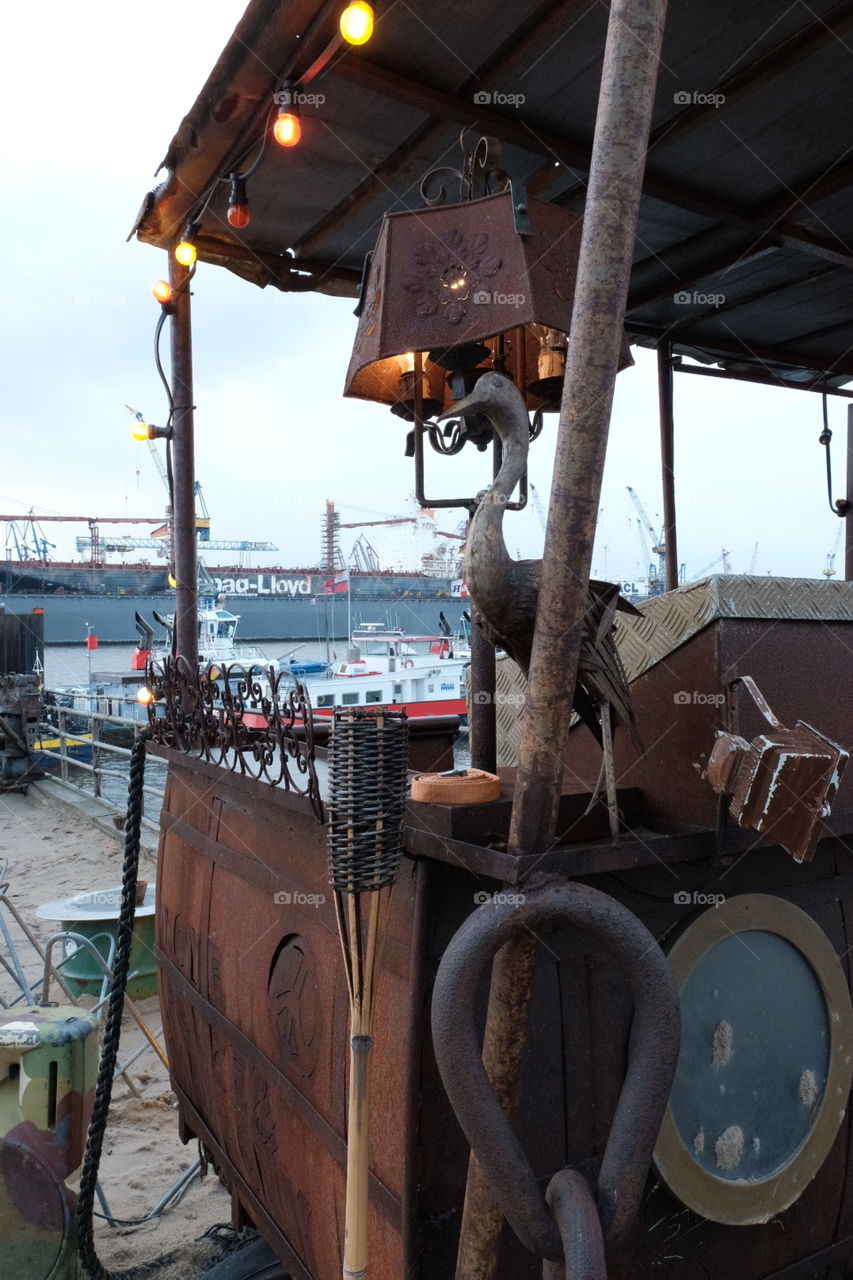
(251, 720)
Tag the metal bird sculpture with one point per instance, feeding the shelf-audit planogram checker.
(506, 591)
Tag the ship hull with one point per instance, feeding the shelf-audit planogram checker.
(66, 617)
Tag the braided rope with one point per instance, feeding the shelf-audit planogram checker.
(112, 1033)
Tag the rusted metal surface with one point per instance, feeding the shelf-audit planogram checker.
(504, 1046)
(253, 722)
(482, 707)
(228, 845)
(183, 465)
(667, 462)
(629, 76)
(785, 787)
(252, 971)
(782, 784)
(651, 1063)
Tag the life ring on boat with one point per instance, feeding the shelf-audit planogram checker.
(408, 663)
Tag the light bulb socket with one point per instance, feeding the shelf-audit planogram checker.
(238, 212)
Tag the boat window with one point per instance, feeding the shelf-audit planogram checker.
(373, 695)
(430, 688)
(325, 700)
(349, 699)
(398, 692)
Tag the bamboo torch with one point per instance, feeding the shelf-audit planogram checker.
(367, 789)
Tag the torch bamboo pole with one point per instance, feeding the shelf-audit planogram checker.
(626, 98)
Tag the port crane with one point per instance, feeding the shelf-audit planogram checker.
(656, 574)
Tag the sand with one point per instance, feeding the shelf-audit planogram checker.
(53, 852)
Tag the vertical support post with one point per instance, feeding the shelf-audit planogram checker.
(848, 519)
(626, 97)
(667, 462)
(183, 466)
(484, 748)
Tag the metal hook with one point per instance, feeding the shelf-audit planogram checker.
(651, 1065)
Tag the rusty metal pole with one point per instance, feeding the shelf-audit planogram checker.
(626, 97)
(848, 519)
(483, 709)
(667, 462)
(183, 465)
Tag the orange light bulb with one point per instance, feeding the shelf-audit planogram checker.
(287, 130)
(145, 696)
(162, 291)
(185, 253)
(238, 215)
(357, 22)
(140, 431)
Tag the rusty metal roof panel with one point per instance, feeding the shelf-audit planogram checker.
(742, 194)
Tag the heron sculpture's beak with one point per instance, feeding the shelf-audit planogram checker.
(472, 403)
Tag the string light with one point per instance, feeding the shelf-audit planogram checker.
(287, 129)
(357, 22)
(162, 291)
(185, 253)
(238, 213)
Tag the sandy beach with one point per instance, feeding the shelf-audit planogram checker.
(52, 852)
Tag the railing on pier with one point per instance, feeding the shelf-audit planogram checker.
(103, 776)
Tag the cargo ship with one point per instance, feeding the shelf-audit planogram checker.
(273, 603)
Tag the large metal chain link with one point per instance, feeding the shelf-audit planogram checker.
(570, 1228)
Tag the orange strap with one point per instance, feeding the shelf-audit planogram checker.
(474, 787)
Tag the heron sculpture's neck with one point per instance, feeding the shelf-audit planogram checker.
(514, 434)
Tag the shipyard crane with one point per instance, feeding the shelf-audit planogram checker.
(753, 560)
(537, 506)
(721, 559)
(828, 569)
(363, 557)
(656, 546)
(28, 537)
(202, 522)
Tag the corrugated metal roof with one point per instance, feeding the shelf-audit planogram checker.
(745, 240)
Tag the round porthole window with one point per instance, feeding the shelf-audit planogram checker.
(765, 1064)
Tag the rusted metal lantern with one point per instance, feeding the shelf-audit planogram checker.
(453, 290)
(447, 280)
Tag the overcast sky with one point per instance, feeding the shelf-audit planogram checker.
(92, 95)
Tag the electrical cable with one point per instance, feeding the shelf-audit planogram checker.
(842, 506)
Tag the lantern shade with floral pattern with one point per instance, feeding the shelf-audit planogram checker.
(451, 277)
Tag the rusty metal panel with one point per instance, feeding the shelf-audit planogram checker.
(255, 1013)
(785, 786)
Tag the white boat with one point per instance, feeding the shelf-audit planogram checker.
(385, 666)
(217, 628)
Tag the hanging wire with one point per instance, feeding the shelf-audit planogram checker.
(841, 506)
